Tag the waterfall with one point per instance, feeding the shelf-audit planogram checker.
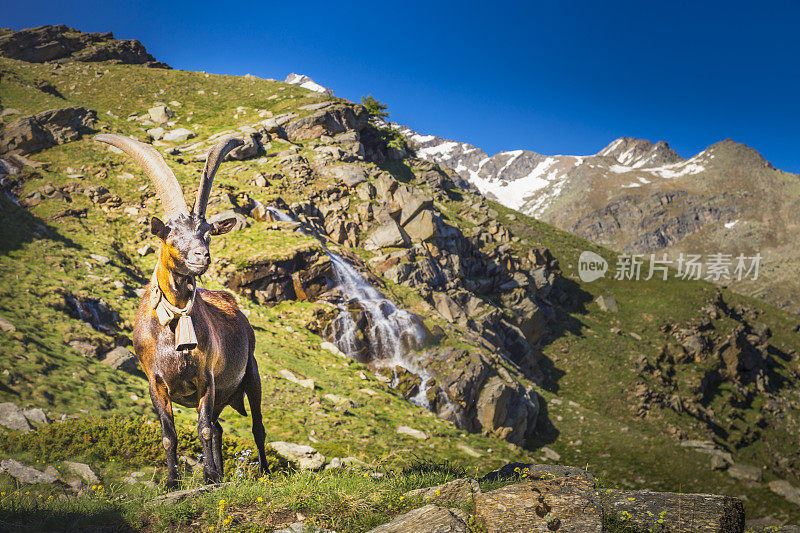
(390, 331)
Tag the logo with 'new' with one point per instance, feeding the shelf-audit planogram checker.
(591, 266)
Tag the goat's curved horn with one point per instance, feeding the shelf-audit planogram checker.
(167, 187)
(215, 157)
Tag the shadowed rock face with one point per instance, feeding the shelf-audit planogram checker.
(61, 43)
(34, 133)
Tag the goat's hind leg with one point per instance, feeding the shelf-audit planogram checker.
(252, 387)
(216, 439)
(163, 406)
(205, 430)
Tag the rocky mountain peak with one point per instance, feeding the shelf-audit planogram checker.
(307, 83)
(731, 152)
(640, 153)
(62, 43)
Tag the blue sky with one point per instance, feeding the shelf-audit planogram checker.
(553, 77)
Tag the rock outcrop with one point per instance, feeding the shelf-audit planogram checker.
(61, 43)
(34, 133)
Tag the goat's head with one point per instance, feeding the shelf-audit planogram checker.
(186, 234)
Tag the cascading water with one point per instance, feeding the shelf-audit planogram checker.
(390, 332)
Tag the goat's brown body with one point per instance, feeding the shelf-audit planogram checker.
(219, 369)
(225, 344)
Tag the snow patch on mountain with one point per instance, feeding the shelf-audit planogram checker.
(307, 83)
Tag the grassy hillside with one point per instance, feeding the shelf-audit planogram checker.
(595, 363)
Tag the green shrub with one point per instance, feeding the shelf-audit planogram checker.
(134, 441)
(374, 107)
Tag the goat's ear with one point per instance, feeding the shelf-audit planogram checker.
(158, 228)
(223, 226)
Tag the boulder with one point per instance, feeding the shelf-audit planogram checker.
(26, 474)
(156, 133)
(388, 234)
(329, 121)
(422, 227)
(160, 114)
(786, 490)
(241, 221)
(120, 358)
(289, 376)
(745, 472)
(178, 135)
(456, 491)
(669, 511)
(37, 132)
(304, 456)
(413, 205)
(607, 303)
(36, 416)
(6, 325)
(83, 471)
(507, 409)
(566, 504)
(411, 432)
(428, 519)
(350, 175)
(251, 148)
(12, 417)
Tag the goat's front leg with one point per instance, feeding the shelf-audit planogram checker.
(163, 406)
(205, 430)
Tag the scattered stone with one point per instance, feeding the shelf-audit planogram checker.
(564, 504)
(422, 227)
(329, 346)
(469, 450)
(83, 471)
(607, 303)
(289, 375)
(103, 260)
(156, 133)
(178, 135)
(456, 491)
(24, 473)
(669, 511)
(6, 325)
(345, 462)
(745, 472)
(416, 433)
(12, 417)
(786, 490)
(550, 453)
(120, 358)
(718, 463)
(36, 416)
(145, 249)
(160, 114)
(241, 220)
(428, 519)
(340, 400)
(304, 456)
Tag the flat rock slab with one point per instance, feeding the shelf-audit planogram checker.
(304, 456)
(566, 504)
(673, 512)
(536, 471)
(458, 490)
(83, 471)
(428, 519)
(26, 474)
